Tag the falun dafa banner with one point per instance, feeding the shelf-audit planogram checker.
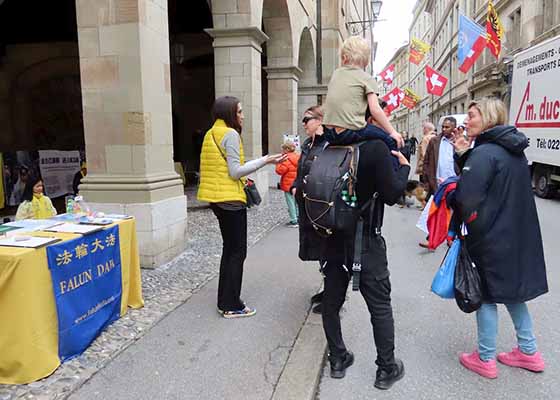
(87, 284)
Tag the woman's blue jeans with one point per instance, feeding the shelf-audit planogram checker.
(487, 320)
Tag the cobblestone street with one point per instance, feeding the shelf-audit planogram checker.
(164, 289)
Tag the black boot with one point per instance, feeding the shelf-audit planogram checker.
(339, 365)
(317, 298)
(385, 379)
(317, 308)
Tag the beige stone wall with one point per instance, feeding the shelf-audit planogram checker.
(124, 62)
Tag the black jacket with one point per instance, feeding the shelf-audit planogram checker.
(309, 241)
(504, 239)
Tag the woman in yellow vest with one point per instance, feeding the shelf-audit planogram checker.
(35, 204)
(222, 172)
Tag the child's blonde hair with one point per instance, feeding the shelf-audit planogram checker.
(355, 51)
(288, 147)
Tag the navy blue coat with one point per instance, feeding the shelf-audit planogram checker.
(504, 240)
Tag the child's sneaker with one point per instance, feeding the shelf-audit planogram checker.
(246, 312)
(516, 358)
(472, 361)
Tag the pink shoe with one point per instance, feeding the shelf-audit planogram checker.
(487, 369)
(516, 358)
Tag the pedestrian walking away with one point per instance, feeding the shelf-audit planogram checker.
(222, 172)
(494, 196)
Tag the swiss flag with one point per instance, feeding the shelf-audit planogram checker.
(435, 82)
(473, 54)
(388, 74)
(393, 99)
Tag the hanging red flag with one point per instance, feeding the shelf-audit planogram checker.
(388, 74)
(393, 99)
(494, 31)
(435, 82)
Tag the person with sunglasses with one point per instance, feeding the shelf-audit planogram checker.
(309, 241)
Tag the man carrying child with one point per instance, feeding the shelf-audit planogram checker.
(350, 92)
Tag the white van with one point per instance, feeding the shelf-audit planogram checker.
(535, 111)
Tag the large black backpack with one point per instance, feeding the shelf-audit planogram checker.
(331, 203)
(329, 190)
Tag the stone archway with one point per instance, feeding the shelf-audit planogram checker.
(281, 72)
(307, 88)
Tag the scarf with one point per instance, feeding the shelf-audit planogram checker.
(41, 207)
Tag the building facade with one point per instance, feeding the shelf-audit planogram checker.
(132, 82)
(436, 22)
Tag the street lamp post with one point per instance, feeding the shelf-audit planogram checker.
(375, 10)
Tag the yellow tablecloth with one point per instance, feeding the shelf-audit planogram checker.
(28, 319)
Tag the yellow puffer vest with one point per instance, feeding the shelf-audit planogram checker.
(215, 183)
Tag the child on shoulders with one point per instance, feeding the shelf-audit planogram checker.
(351, 92)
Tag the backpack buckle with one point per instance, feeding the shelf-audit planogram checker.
(356, 267)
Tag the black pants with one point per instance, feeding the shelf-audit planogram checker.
(233, 225)
(375, 288)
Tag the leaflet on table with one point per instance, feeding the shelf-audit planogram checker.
(118, 217)
(32, 242)
(6, 228)
(74, 228)
(33, 224)
(83, 219)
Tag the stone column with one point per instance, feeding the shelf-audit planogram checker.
(237, 62)
(237, 70)
(282, 104)
(124, 65)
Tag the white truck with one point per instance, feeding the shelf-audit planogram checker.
(535, 111)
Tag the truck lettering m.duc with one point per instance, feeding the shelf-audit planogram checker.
(535, 110)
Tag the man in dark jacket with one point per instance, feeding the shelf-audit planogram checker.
(375, 175)
(438, 160)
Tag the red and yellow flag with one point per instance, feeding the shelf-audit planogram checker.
(418, 49)
(410, 99)
(494, 31)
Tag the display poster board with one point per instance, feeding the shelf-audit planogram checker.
(58, 169)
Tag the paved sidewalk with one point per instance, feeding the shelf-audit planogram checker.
(194, 353)
(431, 332)
(164, 289)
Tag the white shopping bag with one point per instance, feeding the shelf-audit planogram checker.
(422, 223)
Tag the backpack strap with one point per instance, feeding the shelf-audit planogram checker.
(359, 237)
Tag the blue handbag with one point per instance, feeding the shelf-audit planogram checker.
(443, 283)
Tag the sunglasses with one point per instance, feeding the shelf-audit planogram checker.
(305, 120)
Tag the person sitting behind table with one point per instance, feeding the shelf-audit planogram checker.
(35, 205)
(350, 92)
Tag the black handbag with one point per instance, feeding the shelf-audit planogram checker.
(468, 286)
(249, 187)
(253, 195)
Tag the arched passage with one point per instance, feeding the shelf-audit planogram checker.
(192, 80)
(307, 96)
(281, 72)
(40, 89)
